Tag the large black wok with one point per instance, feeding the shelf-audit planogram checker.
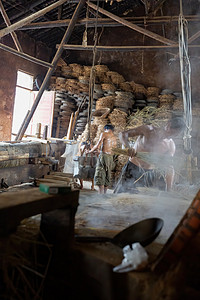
(144, 232)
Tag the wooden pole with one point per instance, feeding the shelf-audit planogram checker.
(38, 130)
(54, 63)
(8, 23)
(70, 127)
(30, 18)
(26, 56)
(28, 112)
(44, 136)
(74, 123)
(148, 33)
(121, 48)
(109, 22)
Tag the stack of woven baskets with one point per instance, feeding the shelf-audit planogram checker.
(124, 101)
(153, 96)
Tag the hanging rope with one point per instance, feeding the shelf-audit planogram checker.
(185, 79)
(84, 42)
(92, 75)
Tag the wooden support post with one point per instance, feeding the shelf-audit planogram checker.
(148, 33)
(25, 56)
(8, 23)
(30, 18)
(28, 112)
(44, 136)
(54, 63)
(38, 130)
(74, 122)
(70, 127)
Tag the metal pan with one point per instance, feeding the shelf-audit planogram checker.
(143, 232)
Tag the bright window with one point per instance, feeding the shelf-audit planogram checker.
(24, 99)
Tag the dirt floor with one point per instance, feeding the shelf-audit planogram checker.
(111, 213)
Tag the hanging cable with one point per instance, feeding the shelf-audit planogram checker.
(185, 79)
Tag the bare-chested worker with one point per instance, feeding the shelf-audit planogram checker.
(138, 173)
(105, 163)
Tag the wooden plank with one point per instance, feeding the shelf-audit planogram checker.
(58, 177)
(16, 206)
(69, 175)
(46, 180)
(133, 26)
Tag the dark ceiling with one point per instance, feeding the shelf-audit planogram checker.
(20, 9)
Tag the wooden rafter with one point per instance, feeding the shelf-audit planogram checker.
(91, 22)
(194, 37)
(121, 48)
(30, 18)
(133, 26)
(26, 56)
(8, 23)
(158, 6)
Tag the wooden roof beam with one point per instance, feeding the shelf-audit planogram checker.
(158, 6)
(108, 22)
(8, 23)
(133, 26)
(121, 48)
(30, 18)
(26, 56)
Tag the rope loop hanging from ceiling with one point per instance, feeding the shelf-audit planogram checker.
(185, 79)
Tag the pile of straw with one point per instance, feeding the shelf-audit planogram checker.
(124, 100)
(105, 102)
(77, 70)
(139, 88)
(116, 78)
(148, 115)
(101, 113)
(153, 91)
(166, 101)
(159, 161)
(66, 71)
(178, 104)
(108, 87)
(22, 274)
(125, 86)
(101, 69)
(133, 85)
(86, 71)
(118, 118)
